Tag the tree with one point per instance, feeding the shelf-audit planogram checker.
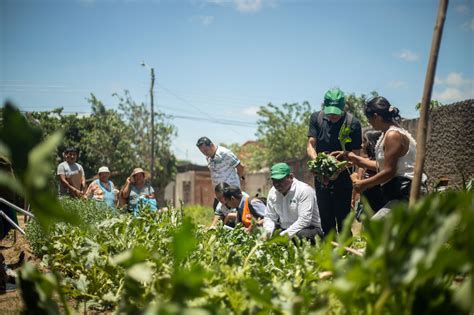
(137, 117)
(117, 139)
(251, 154)
(355, 105)
(283, 131)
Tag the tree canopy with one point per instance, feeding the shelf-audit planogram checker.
(119, 139)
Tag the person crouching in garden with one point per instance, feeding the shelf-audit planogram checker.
(228, 216)
(395, 153)
(102, 189)
(247, 207)
(138, 192)
(291, 206)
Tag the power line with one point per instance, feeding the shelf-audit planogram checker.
(226, 122)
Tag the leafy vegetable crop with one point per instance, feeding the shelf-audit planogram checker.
(326, 166)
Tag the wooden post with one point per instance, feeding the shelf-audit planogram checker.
(425, 101)
(152, 162)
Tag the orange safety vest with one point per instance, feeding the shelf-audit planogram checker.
(246, 215)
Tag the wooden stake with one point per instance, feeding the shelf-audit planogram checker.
(425, 101)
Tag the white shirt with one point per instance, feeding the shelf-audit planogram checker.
(222, 167)
(297, 210)
(406, 163)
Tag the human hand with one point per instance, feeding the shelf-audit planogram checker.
(358, 185)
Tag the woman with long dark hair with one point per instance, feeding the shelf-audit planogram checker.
(395, 153)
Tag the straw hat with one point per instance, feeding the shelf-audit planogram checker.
(137, 170)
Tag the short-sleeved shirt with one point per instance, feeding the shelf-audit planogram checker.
(327, 134)
(73, 173)
(222, 166)
(135, 194)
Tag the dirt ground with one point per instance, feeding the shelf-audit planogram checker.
(11, 247)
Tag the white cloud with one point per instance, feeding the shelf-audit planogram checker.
(248, 5)
(245, 6)
(406, 55)
(453, 79)
(469, 25)
(218, 2)
(453, 87)
(251, 111)
(397, 84)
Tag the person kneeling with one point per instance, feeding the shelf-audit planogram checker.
(291, 206)
(247, 207)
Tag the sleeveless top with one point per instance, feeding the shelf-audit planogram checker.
(406, 163)
(109, 194)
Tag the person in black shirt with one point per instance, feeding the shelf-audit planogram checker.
(334, 199)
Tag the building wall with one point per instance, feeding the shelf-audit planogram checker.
(257, 182)
(449, 147)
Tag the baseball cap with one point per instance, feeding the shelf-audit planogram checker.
(103, 169)
(334, 102)
(280, 170)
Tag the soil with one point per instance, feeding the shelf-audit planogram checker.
(11, 247)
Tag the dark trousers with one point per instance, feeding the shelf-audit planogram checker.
(334, 202)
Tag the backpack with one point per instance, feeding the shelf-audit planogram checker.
(347, 120)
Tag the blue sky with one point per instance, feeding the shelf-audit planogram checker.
(221, 60)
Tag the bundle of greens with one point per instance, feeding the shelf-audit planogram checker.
(326, 165)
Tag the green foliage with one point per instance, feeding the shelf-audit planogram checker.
(355, 105)
(200, 215)
(344, 136)
(38, 291)
(118, 139)
(163, 263)
(325, 166)
(21, 144)
(137, 117)
(89, 211)
(251, 155)
(283, 130)
(433, 104)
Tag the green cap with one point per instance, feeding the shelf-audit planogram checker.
(334, 102)
(280, 170)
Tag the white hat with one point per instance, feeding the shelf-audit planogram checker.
(103, 169)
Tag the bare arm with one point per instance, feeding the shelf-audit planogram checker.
(310, 148)
(126, 189)
(240, 170)
(396, 145)
(71, 188)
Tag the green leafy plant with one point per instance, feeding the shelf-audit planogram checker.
(344, 136)
(325, 166)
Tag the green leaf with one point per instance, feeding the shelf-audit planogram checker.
(142, 272)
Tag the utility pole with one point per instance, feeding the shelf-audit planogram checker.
(152, 161)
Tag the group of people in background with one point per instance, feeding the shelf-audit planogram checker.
(72, 183)
(380, 168)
